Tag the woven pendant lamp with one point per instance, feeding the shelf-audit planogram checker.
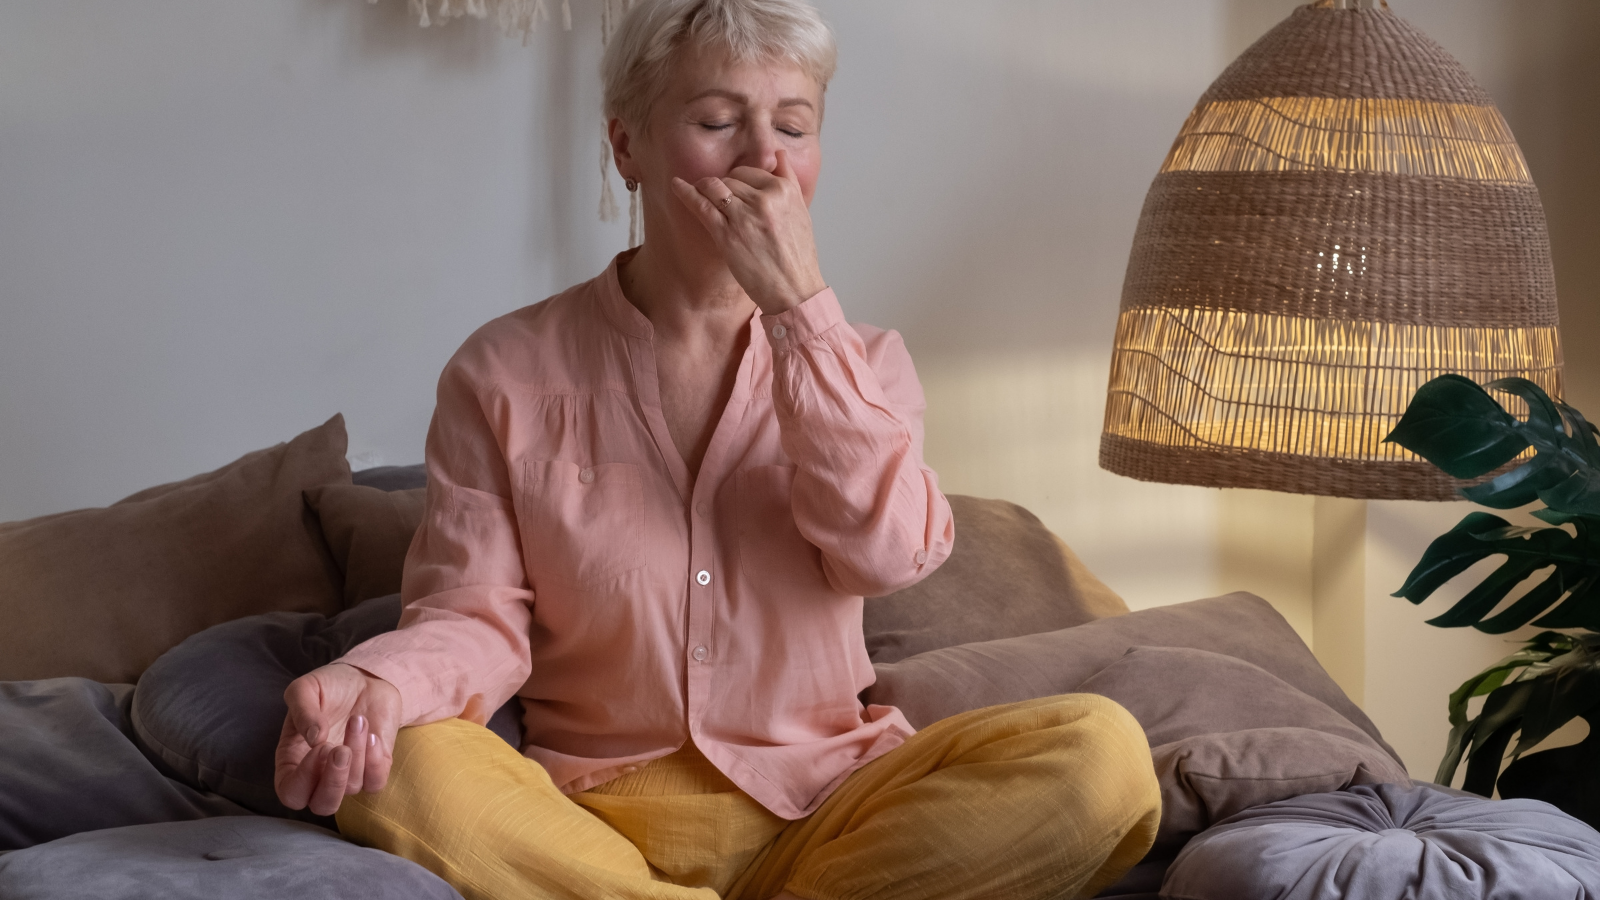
(1344, 216)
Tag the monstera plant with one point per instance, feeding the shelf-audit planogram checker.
(1461, 428)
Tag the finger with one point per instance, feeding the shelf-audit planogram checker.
(356, 734)
(305, 709)
(702, 207)
(781, 169)
(330, 787)
(760, 179)
(744, 191)
(298, 782)
(380, 758)
(719, 192)
(384, 726)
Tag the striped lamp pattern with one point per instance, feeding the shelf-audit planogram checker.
(1344, 216)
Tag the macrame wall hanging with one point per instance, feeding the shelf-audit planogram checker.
(520, 19)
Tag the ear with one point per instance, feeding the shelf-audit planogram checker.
(621, 149)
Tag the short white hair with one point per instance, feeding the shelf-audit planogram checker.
(638, 56)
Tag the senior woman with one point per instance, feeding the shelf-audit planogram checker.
(655, 503)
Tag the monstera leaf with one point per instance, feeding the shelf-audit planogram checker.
(1535, 691)
(1459, 427)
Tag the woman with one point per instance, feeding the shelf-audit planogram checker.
(655, 503)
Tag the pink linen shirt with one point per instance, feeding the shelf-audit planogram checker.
(566, 556)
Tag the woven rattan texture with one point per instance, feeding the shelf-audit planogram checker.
(1316, 134)
(1275, 472)
(1377, 247)
(1366, 53)
(1344, 217)
(1215, 379)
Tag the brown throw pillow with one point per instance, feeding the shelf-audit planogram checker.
(1227, 735)
(1007, 575)
(940, 683)
(369, 532)
(100, 593)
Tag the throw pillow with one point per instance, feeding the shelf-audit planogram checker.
(211, 709)
(100, 593)
(369, 531)
(1227, 735)
(939, 683)
(239, 858)
(1007, 575)
(1385, 841)
(67, 765)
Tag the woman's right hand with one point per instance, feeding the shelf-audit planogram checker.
(338, 738)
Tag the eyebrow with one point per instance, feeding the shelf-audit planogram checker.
(741, 98)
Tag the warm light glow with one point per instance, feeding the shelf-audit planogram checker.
(1294, 134)
(1220, 379)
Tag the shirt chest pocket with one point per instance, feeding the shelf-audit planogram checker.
(580, 525)
(771, 548)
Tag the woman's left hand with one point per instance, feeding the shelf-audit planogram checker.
(759, 221)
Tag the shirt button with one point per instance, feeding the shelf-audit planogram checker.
(778, 331)
(703, 577)
(921, 557)
(700, 654)
(704, 509)
(586, 476)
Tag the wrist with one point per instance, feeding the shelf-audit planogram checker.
(781, 302)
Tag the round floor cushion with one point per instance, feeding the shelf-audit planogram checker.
(1388, 842)
(237, 857)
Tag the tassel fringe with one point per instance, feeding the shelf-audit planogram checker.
(521, 18)
(635, 220)
(516, 18)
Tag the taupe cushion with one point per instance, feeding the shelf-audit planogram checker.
(931, 686)
(369, 531)
(100, 593)
(1227, 735)
(1007, 575)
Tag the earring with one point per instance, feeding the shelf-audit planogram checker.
(631, 184)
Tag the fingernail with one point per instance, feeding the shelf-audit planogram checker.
(341, 757)
(312, 734)
(361, 723)
(372, 740)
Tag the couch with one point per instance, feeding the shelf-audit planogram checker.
(149, 643)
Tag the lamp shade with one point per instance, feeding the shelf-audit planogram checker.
(1344, 216)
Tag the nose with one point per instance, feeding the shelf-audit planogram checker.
(761, 148)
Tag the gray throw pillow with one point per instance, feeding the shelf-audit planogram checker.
(1227, 735)
(940, 683)
(1386, 842)
(67, 765)
(211, 709)
(238, 858)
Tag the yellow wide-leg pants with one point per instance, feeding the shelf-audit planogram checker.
(1045, 799)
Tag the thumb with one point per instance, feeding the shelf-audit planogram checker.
(312, 707)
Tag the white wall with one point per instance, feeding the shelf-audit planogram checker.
(221, 222)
